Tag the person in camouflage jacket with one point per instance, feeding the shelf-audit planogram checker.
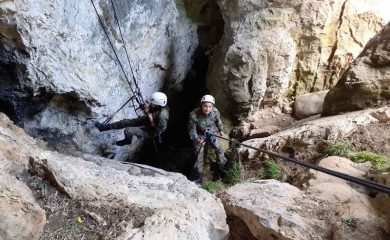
(206, 117)
(152, 125)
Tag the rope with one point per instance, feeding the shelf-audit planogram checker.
(111, 44)
(137, 96)
(362, 182)
(112, 115)
(137, 89)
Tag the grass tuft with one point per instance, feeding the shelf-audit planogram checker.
(212, 187)
(341, 149)
(233, 174)
(351, 222)
(271, 171)
(274, 171)
(378, 161)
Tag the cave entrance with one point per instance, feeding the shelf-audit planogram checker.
(176, 153)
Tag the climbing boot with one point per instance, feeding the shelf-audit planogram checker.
(219, 172)
(101, 127)
(222, 170)
(123, 142)
(198, 180)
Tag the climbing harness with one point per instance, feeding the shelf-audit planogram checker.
(209, 136)
(362, 182)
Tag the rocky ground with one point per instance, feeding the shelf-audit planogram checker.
(96, 197)
(81, 219)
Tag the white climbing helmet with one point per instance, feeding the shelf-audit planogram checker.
(159, 99)
(208, 98)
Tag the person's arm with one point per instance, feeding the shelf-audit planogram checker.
(162, 121)
(192, 128)
(149, 116)
(218, 122)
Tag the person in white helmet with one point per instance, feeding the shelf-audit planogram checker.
(206, 117)
(152, 125)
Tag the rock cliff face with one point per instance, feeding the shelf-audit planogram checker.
(59, 72)
(275, 48)
(366, 84)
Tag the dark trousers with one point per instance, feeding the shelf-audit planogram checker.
(134, 131)
(200, 155)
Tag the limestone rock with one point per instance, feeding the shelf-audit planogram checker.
(263, 131)
(179, 208)
(20, 215)
(274, 210)
(302, 140)
(59, 73)
(309, 104)
(381, 178)
(16, 147)
(342, 165)
(334, 189)
(351, 201)
(270, 45)
(366, 83)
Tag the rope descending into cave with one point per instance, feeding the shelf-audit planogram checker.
(137, 89)
(136, 97)
(359, 181)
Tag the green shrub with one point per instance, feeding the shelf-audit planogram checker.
(211, 187)
(233, 174)
(271, 171)
(261, 173)
(341, 149)
(351, 222)
(274, 171)
(378, 161)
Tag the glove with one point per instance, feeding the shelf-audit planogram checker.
(101, 127)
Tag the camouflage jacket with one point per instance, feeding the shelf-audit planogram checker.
(160, 120)
(199, 122)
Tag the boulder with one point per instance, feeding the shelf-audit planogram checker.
(263, 131)
(270, 45)
(304, 139)
(309, 104)
(328, 207)
(275, 210)
(350, 201)
(366, 83)
(178, 208)
(20, 215)
(16, 147)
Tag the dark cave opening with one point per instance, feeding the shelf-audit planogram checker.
(176, 153)
(8, 109)
(15, 101)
